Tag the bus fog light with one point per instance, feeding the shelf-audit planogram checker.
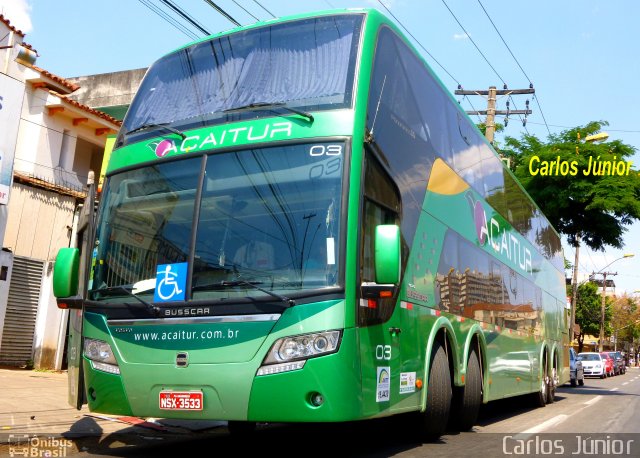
(317, 399)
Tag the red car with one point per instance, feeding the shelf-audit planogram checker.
(609, 364)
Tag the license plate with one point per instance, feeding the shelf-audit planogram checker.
(181, 400)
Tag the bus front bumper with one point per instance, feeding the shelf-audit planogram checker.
(327, 388)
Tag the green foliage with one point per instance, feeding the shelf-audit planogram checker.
(594, 209)
(568, 265)
(588, 311)
(624, 320)
(588, 307)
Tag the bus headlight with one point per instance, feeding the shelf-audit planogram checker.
(290, 353)
(101, 356)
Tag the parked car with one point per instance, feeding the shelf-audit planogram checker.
(609, 364)
(575, 368)
(620, 367)
(592, 364)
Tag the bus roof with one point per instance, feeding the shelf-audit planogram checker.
(279, 20)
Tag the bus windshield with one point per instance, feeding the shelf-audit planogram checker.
(252, 220)
(306, 64)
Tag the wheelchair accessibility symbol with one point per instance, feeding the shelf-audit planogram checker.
(170, 282)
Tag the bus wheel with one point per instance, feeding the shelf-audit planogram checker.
(540, 398)
(241, 428)
(467, 399)
(436, 415)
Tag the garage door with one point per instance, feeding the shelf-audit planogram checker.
(22, 306)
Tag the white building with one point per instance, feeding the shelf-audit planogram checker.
(48, 144)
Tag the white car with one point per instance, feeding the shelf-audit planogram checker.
(592, 364)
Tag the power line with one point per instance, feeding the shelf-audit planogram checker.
(505, 43)
(223, 12)
(169, 19)
(517, 62)
(542, 114)
(571, 127)
(260, 5)
(474, 43)
(245, 10)
(474, 108)
(418, 42)
(185, 16)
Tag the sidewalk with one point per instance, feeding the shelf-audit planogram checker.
(34, 404)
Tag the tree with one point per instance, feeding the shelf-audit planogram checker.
(588, 306)
(623, 320)
(592, 208)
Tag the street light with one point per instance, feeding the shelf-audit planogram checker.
(604, 288)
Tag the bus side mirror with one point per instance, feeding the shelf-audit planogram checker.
(387, 254)
(65, 272)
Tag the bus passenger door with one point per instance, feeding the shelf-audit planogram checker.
(86, 229)
(378, 332)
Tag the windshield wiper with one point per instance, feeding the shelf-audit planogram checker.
(164, 126)
(238, 282)
(272, 107)
(127, 290)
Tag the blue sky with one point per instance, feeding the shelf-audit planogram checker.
(580, 55)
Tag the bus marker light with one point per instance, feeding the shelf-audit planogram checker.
(63, 305)
(462, 378)
(419, 383)
(406, 305)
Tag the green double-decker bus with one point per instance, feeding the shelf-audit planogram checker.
(300, 224)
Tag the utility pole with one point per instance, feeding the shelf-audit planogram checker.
(491, 111)
(574, 293)
(603, 306)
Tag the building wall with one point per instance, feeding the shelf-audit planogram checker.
(40, 222)
(57, 141)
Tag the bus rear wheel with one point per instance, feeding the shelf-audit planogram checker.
(467, 399)
(435, 417)
(541, 397)
(553, 383)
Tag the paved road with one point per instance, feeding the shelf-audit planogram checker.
(601, 410)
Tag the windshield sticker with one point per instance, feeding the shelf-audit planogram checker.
(170, 282)
(383, 381)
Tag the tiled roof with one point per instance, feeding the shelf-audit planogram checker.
(8, 24)
(66, 83)
(28, 46)
(90, 110)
